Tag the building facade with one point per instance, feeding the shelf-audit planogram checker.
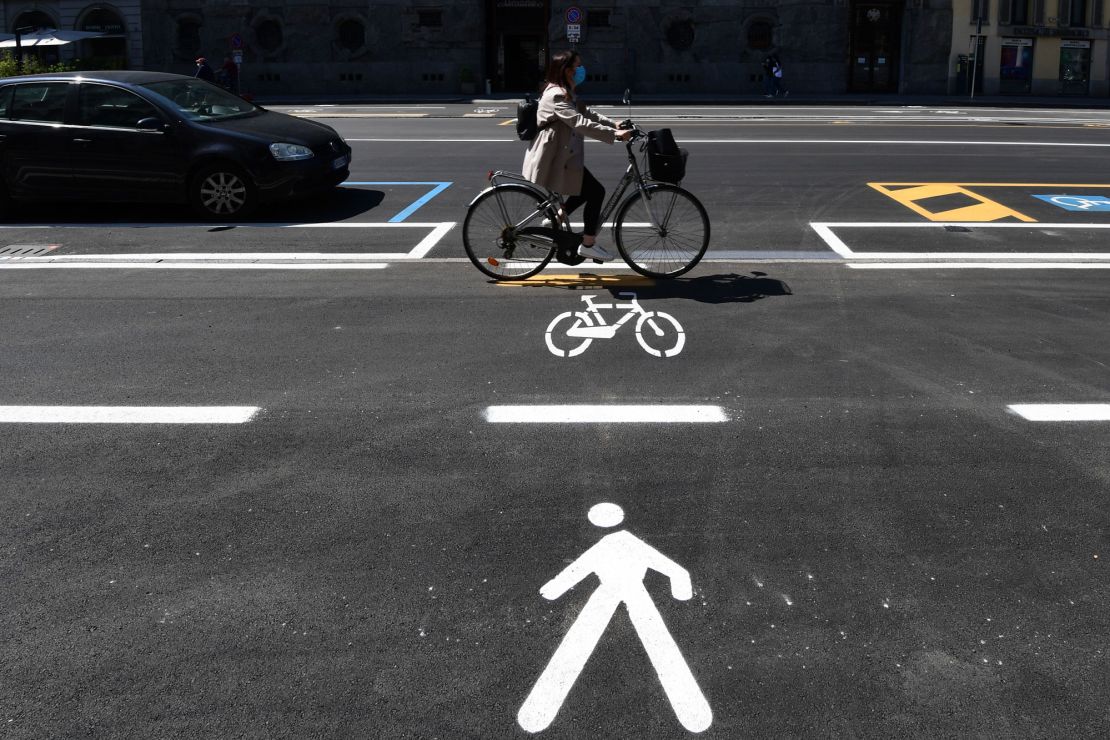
(119, 47)
(340, 47)
(1030, 47)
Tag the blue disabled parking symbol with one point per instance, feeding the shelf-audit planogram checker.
(1085, 203)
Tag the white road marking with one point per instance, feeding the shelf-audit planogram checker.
(605, 414)
(1062, 411)
(620, 561)
(127, 414)
(907, 260)
(979, 265)
(193, 265)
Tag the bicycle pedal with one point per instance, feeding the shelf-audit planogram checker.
(599, 262)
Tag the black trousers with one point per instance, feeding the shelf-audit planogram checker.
(593, 195)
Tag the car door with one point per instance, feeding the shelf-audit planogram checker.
(112, 158)
(36, 141)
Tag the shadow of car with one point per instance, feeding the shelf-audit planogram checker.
(153, 137)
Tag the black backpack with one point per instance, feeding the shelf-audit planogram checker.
(526, 125)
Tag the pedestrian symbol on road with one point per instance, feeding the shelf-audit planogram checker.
(620, 560)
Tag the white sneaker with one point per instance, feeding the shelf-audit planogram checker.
(595, 252)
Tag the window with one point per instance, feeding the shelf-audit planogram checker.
(35, 19)
(1013, 12)
(44, 102)
(429, 18)
(1077, 14)
(104, 105)
(269, 35)
(598, 19)
(102, 20)
(680, 34)
(352, 34)
(188, 36)
(981, 9)
(760, 35)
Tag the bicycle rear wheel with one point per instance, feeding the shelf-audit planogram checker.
(672, 248)
(491, 233)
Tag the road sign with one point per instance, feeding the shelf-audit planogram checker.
(573, 15)
(574, 31)
(236, 41)
(237, 56)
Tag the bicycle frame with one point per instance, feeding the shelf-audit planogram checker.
(553, 201)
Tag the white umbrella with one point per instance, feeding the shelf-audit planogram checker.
(47, 37)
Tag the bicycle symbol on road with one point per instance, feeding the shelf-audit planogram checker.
(570, 333)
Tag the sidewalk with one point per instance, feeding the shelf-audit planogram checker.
(819, 99)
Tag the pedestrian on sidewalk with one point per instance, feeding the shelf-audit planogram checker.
(768, 77)
(204, 72)
(776, 77)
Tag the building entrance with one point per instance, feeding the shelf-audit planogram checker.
(876, 46)
(516, 44)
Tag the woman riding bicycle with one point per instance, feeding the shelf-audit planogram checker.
(556, 158)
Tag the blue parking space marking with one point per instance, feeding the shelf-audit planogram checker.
(437, 188)
(1081, 203)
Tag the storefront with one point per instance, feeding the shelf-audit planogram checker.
(1016, 66)
(1075, 67)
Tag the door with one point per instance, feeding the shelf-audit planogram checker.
(113, 159)
(516, 44)
(524, 62)
(876, 47)
(36, 141)
(1075, 67)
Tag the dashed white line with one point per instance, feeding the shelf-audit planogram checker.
(605, 414)
(127, 414)
(1062, 411)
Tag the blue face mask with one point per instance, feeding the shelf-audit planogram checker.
(579, 76)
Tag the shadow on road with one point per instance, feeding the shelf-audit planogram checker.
(340, 204)
(731, 288)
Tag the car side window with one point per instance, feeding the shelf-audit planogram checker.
(104, 105)
(5, 100)
(42, 101)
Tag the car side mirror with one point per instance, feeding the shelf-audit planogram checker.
(151, 124)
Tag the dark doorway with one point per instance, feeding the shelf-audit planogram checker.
(876, 46)
(516, 44)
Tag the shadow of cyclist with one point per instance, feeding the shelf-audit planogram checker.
(731, 288)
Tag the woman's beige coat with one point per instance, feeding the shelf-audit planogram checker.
(556, 158)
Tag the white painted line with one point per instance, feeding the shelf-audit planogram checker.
(1008, 265)
(1062, 411)
(430, 240)
(127, 414)
(604, 414)
(75, 265)
(230, 226)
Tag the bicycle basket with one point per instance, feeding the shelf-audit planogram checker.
(666, 162)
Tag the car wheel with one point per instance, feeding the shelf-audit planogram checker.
(223, 192)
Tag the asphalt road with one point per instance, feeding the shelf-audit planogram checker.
(878, 543)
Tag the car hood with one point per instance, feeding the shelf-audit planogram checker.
(273, 127)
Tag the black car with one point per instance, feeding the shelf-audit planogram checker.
(155, 137)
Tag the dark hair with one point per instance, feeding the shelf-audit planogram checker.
(561, 63)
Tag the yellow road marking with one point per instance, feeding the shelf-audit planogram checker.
(580, 280)
(982, 210)
(508, 122)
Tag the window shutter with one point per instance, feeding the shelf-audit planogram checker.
(1038, 12)
(1096, 13)
(1063, 13)
(1004, 11)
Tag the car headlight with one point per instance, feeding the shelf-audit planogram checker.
(290, 152)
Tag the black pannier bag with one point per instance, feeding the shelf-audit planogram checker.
(526, 124)
(666, 162)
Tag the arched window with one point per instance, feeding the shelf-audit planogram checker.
(187, 41)
(269, 35)
(35, 19)
(108, 51)
(760, 35)
(352, 34)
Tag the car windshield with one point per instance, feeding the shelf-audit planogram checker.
(198, 100)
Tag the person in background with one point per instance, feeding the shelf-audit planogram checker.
(229, 74)
(556, 158)
(776, 77)
(204, 72)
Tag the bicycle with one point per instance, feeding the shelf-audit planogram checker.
(505, 236)
(590, 325)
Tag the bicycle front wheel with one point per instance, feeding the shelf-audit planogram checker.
(491, 233)
(677, 241)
